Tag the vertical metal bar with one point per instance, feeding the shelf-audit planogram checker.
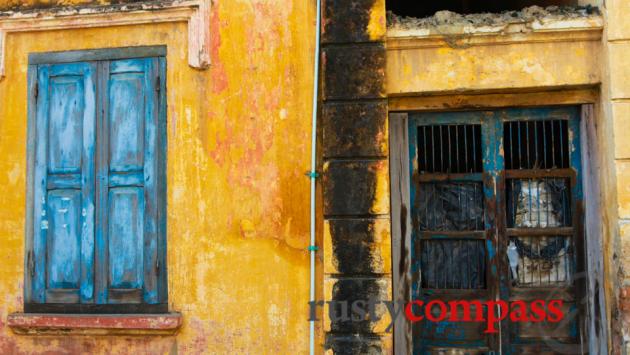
(529, 166)
(425, 148)
(511, 146)
(445, 274)
(466, 168)
(553, 145)
(521, 274)
(441, 150)
(549, 278)
(544, 123)
(539, 264)
(538, 183)
(432, 149)
(536, 162)
(474, 137)
(548, 197)
(469, 266)
(520, 139)
(565, 145)
(529, 186)
(432, 249)
(457, 147)
(436, 194)
(562, 145)
(450, 164)
(427, 187)
(566, 213)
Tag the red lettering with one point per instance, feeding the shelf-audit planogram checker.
(428, 311)
(492, 317)
(538, 309)
(466, 307)
(409, 311)
(553, 310)
(518, 311)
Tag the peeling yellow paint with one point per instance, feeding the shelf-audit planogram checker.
(238, 146)
(377, 26)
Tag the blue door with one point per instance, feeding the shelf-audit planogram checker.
(496, 215)
(98, 185)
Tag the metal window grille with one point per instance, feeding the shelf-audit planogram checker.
(450, 206)
(453, 264)
(542, 144)
(449, 149)
(540, 261)
(538, 203)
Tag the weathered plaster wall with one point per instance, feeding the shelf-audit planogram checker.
(357, 241)
(487, 62)
(238, 147)
(617, 106)
(32, 4)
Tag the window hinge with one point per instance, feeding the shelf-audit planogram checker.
(157, 84)
(36, 90)
(157, 266)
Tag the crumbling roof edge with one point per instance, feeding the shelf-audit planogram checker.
(591, 23)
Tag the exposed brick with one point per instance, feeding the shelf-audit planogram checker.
(354, 72)
(357, 187)
(355, 129)
(353, 21)
(357, 246)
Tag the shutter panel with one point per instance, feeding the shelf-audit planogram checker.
(127, 182)
(63, 194)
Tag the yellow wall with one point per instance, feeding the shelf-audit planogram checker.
(486, 63)
(238, 148)
(617, 106)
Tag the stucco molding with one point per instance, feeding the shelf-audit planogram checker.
(195, 12)
(587, 29)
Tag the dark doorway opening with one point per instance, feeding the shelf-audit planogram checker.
(419, 8)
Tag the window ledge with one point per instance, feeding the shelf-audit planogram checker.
(94, 324)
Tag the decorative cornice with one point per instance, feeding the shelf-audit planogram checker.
(586, 29)
(195, 12)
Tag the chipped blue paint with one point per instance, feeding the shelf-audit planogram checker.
(63, 235)
(98, 209)
(492, 123)
(491, 250)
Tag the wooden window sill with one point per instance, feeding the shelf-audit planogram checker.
(94, 324)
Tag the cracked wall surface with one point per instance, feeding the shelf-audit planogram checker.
(237, 197)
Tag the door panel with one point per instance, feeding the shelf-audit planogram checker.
(543, 235)
(496, 215)
(450, 259)
(63, 244)
(127, 184)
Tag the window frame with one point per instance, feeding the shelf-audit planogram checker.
(98, 55)
(402, 181)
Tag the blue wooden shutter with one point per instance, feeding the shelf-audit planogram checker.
(63, 195)
(127, 188)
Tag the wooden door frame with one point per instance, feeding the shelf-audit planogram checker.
(401, 226)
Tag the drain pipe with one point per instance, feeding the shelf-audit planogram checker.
(313, 174)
